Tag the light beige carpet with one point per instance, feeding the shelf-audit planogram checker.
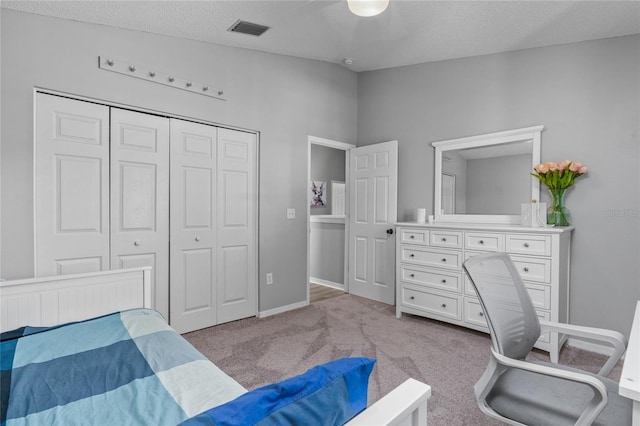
(256, 352)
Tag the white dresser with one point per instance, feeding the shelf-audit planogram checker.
(430, 280)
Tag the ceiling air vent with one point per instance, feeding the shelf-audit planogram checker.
(250, 28)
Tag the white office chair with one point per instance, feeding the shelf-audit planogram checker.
(521, 392)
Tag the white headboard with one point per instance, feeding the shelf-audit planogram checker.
(50, 301)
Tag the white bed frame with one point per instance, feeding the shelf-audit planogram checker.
(60, 299)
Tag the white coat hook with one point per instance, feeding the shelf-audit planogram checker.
(126, 67)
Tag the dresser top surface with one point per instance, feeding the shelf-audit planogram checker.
(487, 227)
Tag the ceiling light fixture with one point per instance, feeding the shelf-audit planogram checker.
(367, 7)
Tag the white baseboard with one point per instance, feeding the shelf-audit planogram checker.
(281, 309)
(590, 346)
(326, 283)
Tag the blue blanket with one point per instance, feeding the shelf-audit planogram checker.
(124, 368)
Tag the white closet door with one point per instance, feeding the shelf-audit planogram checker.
(237, 241)
(193, 220)
(71, 186)
(140, 197)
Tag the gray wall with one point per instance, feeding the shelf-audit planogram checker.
(586, 94)
(327, 256)
(284, 98)
(327, 164)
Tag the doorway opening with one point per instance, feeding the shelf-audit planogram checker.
(327, 213)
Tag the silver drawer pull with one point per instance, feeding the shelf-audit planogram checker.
(412, 255)
(444, 259)
(481, 242)
(481, 314)
(444, 239)
(526, 245)
(444, 305)
(197, 238)
(525, 269)
(444, 281)
(412, 275)
(412, 237)
(136, 243)
(412, 297)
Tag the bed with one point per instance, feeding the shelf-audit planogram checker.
(88, 348)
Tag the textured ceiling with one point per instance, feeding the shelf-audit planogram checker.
(408, 32)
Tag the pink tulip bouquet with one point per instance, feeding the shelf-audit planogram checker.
(558, 177)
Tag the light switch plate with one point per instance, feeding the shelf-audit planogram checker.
(291, 213)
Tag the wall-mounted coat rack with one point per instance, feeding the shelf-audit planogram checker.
(138, 71)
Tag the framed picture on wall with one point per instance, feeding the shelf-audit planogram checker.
(318, 193)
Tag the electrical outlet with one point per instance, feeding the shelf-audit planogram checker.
(269, 278)
(291, 213)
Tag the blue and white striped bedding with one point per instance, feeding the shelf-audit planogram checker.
(123, 368)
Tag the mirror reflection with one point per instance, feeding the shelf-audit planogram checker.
(488, 180)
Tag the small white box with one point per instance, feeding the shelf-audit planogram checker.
(533, 214)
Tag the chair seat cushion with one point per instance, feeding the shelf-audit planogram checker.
(536, 399)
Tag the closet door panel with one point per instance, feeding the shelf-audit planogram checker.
(136, 261)
(140, 197)
(79, 265)
(197, 278)
(193, 235)
(71, 186)
(237, 241)
(234, 273)
(138, 190)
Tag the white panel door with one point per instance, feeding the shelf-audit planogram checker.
(140, 197)
(193, 221)
(71, 186)
(237, 225)
(373, 212)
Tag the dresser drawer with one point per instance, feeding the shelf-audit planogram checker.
(483, 241)
(440, 304)
(447, 259)
(533, 269)
(414, 236)
(535, 245)
(544, 316)
(443, 280)
(540, 294)
(473, 314)
(444, 238)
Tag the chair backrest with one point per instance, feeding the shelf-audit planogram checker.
(507, 306)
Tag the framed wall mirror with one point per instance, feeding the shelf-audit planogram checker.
(485, 178)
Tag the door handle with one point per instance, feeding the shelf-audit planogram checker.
(390, 231)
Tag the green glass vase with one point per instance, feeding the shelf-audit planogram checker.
(557, 213)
